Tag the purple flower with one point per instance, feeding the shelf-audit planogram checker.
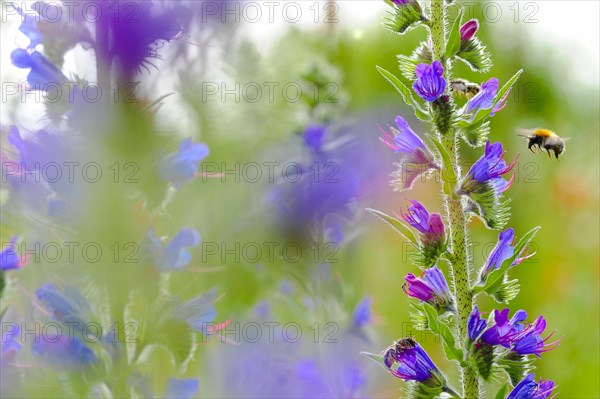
(136, 39)
(64, 351)
(199, 312)
(66, 306)
(475, 325)
(529, 389)
(406, 359)
(501, 252)
(182, 166)
(429, 225)
(9, 259)
(314, 136)
(432, 288)
(504, 331)
(362, 314)
(415, 159)
(485, 98)
(529, 341)
(10, 342)
(178, 388)
(468, 30)
(29, 27)
(43, 74)
(490, 167)
(174, 256)
(430, 83)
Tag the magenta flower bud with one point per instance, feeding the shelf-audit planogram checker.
(468, 30)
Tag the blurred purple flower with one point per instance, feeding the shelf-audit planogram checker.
(406, 359)
(136, 38)
(174, 256)
(9, 259)
(10, 342)
(182, 166)
(178, 388)
(432, 288)
(68, 306)
(63, 351)
(490, 167)
(529, 389)
(198, 312)
(29, 27)
(43, 74)
(430, 83)
(362, 314)
(314, 136)
(416, 158)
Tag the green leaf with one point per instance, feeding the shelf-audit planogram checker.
(395, 224)
(405, 92)
(135, 323)
(403, 17)
(476, 135)
(447, 170)
(475, 55)
(453, 44)
(432, 318)
(501, 394)
(523, 242)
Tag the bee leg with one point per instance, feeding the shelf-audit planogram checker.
(548, 151)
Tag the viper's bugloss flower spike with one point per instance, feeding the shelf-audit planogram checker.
(406, 359)
(475, 324)
(489, 168)
(529, 341)
(416, 158)
(431, 288)
(9, 258)
(430, 83)
(529, 389)
(468, 30)
(181, 167)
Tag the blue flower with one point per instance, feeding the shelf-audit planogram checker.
(362, 314)
(181, 167)
(43, 74)
(501, 252)
(178, 388)
(432, 288)
(416, 158)
(174, 256)
(489, 168)
(29, 27)
(63, 351)
(198, 312)
(68, 306)
(475, 324)
(430, 83)
(314, 136)
(529, 340)
(504, 331)
(485, 98)
(529, 389)
(9, 259)
(406, 359)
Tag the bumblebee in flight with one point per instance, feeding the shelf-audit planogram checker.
(545, 139)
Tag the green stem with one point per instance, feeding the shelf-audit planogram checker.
(458, 227)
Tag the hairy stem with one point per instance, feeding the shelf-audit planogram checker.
(458, 229)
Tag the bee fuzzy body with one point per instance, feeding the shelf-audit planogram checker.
(461, 87)
(547, 140)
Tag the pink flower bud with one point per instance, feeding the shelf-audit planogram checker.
(468, 30)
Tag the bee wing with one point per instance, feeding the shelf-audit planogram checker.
(522, 132)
